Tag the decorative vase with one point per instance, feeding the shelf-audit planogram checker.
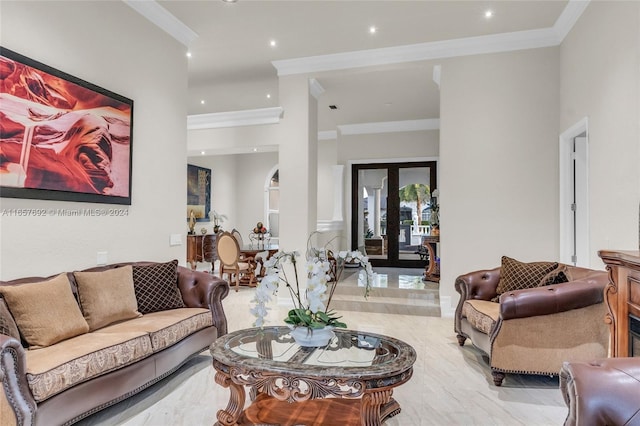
(305, 336)
(216, 229)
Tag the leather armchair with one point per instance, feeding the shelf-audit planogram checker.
(602, 392)
(533, 331)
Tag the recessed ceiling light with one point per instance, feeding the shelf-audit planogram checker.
(268, 95)
(372, 29)
(201, 152)
(488, 14)
(188, 54)
(202, 101)
(272, 43)
(229, 1)
(255, 149)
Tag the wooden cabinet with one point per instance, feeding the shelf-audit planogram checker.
(622, 296)
(201, 248)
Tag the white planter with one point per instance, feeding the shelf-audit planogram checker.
(312, 337)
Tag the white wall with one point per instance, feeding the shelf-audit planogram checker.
(388, 145)
(600, 79)
(108, 44)
(327, 158)
(498, 161)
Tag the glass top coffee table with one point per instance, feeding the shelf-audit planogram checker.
(350, 381)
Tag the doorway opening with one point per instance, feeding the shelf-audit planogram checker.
(392, 211)
(574, 195)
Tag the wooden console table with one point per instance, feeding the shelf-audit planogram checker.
(201, 248)
(622, 296)
(432, 270)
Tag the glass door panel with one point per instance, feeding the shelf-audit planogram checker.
(414, 193)
(372, 212)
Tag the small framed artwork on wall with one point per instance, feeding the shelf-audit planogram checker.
(198, 193)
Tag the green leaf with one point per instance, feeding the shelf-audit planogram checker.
(323, 316)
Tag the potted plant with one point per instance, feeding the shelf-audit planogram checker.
(311, 319)
(217, 221)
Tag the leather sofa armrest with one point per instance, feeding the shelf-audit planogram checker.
(478, 284)
(475, 285)
(13, 372)
(203, 290)
(603, 391)
(550, 299)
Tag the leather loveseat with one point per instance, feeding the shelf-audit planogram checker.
(602, 392)
(533, 330)
(120, 344)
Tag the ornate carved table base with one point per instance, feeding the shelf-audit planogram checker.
(370, 410)
(231, 414)
(292, 385)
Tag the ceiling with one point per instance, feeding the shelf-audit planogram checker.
(232, 69)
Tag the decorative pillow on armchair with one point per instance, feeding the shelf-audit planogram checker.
(557, 276)
(156, 287)
(516, 275)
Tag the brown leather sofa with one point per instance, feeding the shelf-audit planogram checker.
(182, 338)
(534, 330)
(602, 392)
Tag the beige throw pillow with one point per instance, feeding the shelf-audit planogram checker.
(107, 296)
(45, 312)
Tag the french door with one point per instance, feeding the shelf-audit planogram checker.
(390, 211)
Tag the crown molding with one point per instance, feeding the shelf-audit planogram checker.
(315, 88)
(233, 150)
(327, 135)
(164, 19)
(390, 127)
(494, 43)
(569, 17)
(250, 117)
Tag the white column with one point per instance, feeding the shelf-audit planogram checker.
(298, 162)
(376, 212)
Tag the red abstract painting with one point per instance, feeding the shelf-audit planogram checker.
(61, 137)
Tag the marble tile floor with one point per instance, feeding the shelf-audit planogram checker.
(451, 385)
(395, 291)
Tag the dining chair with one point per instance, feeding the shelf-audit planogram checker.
(238, 236)
(230, 261)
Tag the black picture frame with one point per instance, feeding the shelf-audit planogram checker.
(62, 138)
(199, 192)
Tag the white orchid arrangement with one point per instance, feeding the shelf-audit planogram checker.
(218, 218)
(323, 271)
